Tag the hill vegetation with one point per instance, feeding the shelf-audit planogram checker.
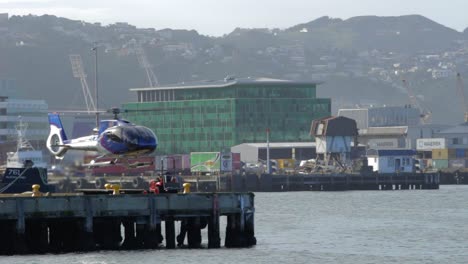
(361, 60)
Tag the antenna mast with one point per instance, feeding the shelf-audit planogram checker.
(23, 143)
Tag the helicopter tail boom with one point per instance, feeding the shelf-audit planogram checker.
(57, 136)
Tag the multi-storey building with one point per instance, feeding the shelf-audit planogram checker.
(32, 112)
(209, 116)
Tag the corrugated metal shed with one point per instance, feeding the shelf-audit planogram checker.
(359, 115)
(382, 116)
(459, 129)
(399, 130)
(252, 152)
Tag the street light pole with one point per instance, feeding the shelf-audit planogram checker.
(162, 166)
(96, 93)
(268, 150)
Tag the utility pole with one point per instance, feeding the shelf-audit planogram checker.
(96, 93)
(268, 151)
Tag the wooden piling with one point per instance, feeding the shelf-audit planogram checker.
(214, 240)
(170, 232)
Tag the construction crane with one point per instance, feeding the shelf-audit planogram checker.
(461, 90)
(78, 72)
(425, 115)
(144, 63)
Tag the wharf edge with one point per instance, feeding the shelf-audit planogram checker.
(76, 222)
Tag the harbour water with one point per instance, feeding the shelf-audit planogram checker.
(420, 226)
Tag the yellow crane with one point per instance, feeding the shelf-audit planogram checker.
(425, 114)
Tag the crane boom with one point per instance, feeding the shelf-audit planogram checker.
(145, 64)
(425, 114)
(78, 72)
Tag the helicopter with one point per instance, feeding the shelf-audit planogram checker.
(115, 138)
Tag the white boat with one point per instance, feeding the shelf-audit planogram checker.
(24, 151)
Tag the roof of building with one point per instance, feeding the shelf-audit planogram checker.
(334, 126)
(395, 130)
(459, 129)
(391, 152)
(229, 81)
(281, 145)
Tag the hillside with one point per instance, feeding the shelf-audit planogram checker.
(360, 59)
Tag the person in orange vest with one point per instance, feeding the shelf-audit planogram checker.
(153, 187)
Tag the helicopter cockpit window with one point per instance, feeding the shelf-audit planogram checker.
(105, 124)
(133, 134)
(115, 135)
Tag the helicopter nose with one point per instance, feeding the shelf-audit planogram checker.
(147, 140)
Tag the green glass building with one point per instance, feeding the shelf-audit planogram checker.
(209, 116)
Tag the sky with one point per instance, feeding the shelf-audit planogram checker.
(218, 17)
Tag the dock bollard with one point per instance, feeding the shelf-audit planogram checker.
(116, 189)
(35, 190)
(186, 187)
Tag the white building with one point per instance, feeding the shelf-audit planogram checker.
(391, 161)
(382, 116)
(32, 112)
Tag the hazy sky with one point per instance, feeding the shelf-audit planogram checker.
(218, 17)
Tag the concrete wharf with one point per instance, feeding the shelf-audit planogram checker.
(279, 182)
(316, 182)
(79, 222)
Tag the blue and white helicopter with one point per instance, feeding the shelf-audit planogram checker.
(114, 138)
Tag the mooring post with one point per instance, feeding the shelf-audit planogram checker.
(214, 241)
(170, 232)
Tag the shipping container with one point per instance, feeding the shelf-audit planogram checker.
(236, 161)
(440, 163)
(427, 163)
(443, 154)
(460, 153)
(428, 144)
(177, 163)
(457, 163)
(286, 163)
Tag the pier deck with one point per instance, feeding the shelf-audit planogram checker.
(77, 222)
